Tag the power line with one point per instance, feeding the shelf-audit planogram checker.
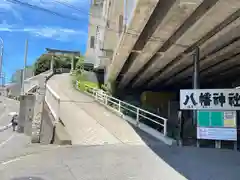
(41, 9)
(67, 4)
(18, 2)
(73, 18)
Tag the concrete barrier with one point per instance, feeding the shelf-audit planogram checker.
(47, 126)
(61, 136)
(52, 133)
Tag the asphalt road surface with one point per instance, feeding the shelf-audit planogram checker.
(10, 141)
(125, 161)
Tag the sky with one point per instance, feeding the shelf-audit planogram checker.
(66, 28)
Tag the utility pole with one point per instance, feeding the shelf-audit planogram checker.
(196, 59)
(196, 82)
(3, 79)
(1, 57)
(25, 64)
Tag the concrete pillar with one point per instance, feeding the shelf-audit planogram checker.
(26, 114)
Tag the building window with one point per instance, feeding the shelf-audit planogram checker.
(95, 2)
(92, 41)
(120, 24)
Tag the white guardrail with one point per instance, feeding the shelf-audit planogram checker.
(51, 98)
(141, 115)
(53, 102)
(33, 82)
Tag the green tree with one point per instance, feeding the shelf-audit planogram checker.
(42, 64)
(80, 64)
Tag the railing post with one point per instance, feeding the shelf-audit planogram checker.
(96, 94)
(165, 128)
(137, 118)
(106, 100)
(76, 84)
(119, 106)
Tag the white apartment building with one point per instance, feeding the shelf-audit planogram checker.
(95, 22)
(107, 23)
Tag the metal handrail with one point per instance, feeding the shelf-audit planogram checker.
(119, 106)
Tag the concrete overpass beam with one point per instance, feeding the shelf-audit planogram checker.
(234, 61)
(229, 33)
(225, 53)
(171, 15)
(214, 16)
(142, 13)
(230, 77)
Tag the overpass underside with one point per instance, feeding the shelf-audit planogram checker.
(158, 54)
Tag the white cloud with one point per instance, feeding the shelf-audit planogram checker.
(6, 7)
(5, 27)
(61, 34)
(57, 33)
(49, 4)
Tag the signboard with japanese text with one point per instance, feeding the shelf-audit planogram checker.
(210, 99)
(217, 125)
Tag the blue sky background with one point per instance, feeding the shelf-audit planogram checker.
(42, 29)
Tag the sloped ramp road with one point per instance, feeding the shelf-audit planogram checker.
(88, 122)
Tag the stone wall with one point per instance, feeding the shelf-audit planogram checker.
(39, 105)
(38, 109)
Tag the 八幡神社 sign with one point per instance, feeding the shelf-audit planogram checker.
(210, 99)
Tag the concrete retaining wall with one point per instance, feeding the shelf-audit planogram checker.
(51, 133)
(47, 126)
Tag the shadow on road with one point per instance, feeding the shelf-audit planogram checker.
(196, 163)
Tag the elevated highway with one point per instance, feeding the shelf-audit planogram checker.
(160, 54)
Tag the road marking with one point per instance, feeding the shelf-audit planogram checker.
(24, 156)
(4, 142)
(4, 113)
(10, 161)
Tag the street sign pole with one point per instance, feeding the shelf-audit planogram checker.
(196, 59)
